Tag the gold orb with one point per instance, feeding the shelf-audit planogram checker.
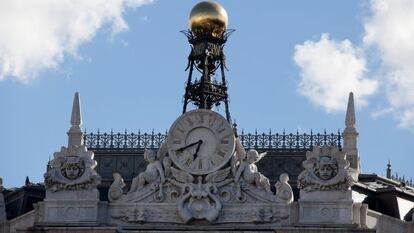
(208, 17)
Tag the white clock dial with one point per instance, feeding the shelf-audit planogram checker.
(200, 141)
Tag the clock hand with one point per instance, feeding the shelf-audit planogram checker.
(192, 144)
(198, 148)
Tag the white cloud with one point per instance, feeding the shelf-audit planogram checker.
(330, 70)
(390, 29)
(37, 35)
(381, 112)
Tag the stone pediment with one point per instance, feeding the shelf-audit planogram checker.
(165, 193)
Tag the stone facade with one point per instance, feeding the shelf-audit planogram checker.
(166, 193)
(71, 182)
(202, 178)
(165, 196)
(178, 194)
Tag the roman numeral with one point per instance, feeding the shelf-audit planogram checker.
(178, 154)
(212, 120)
(188, 161)
(200, 164)
(189, 121)
(212, 163)
(200, 118)
(215, 160)
(224, 141)
(221, 153)
(221, 128)
(180, 128)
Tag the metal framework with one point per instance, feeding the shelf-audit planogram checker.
(264, 141)
(208, 58)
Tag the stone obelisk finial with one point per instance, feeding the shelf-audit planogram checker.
(75, 132)
(350, 134)
(350, 113)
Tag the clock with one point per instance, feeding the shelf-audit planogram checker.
(200, 141)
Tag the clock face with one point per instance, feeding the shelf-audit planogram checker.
(200, 141)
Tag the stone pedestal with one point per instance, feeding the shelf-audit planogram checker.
(320, 212)
(330, 207)
(75, 195)
(72, 197)
(70, 211)
(325, 189)
(81, 206)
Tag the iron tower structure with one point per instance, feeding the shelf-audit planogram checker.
(207, 58)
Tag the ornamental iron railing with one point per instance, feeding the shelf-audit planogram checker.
(269, 141)
(405, 180)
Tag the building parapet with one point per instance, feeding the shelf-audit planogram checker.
(268, 141)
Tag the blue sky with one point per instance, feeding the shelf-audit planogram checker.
(291, 64)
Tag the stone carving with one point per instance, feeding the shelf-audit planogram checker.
(166, 193)
(153, 172)
(72, 169)
(166, 163)
(248, 170)
(199, 200)
(284, 192)
(2, 203)
(326, 168)
(162, 155)
(116, 189)
(269, 215)
(70, 180)
(238, 156)
(242, 188)
(131, 215)
(325, 194)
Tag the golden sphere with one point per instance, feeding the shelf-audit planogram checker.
(208, 17)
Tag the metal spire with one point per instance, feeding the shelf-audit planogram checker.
(389, 169)
(75, 132)
(207, 57)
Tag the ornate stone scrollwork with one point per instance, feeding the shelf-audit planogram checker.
(269, 215)
(131, 215)
(72, 168)
(326, 168)
(325, 192)
(166, 193)
(200, 200)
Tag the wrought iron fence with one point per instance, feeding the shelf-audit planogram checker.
(289, 141)
(403, 179)
(270, 141)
